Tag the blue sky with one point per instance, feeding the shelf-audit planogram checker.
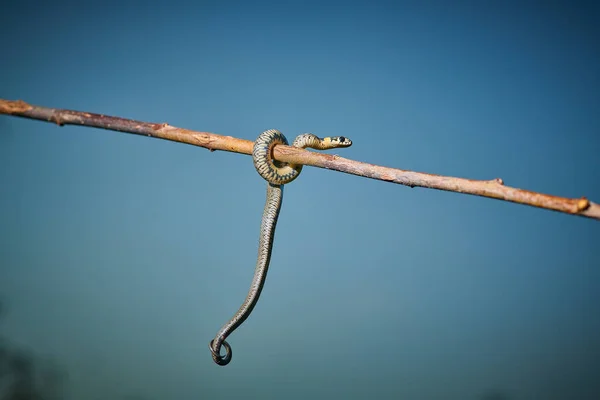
(121, 256)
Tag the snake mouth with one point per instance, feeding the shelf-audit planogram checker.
(344, 141)
(333, 142)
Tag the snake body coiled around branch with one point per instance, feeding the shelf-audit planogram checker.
(276, 174)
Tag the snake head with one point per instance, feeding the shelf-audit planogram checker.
(336, 141)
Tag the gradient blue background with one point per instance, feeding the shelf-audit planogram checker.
(121, 256)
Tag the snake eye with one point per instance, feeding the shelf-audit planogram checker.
(342, 139)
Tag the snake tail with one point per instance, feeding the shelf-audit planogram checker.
(265, 246)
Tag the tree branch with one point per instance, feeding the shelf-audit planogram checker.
(493, 188)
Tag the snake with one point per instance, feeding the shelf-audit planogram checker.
(276, 174)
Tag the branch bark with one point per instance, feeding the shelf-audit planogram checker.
(491, 188)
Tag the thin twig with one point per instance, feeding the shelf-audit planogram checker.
(493, 188)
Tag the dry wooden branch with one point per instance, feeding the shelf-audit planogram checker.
(493, 188)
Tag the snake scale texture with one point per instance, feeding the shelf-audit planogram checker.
(276, 174)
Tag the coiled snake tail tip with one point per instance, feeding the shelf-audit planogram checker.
(217, 357)
(276, 174)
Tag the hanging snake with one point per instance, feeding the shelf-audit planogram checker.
(276, 174)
